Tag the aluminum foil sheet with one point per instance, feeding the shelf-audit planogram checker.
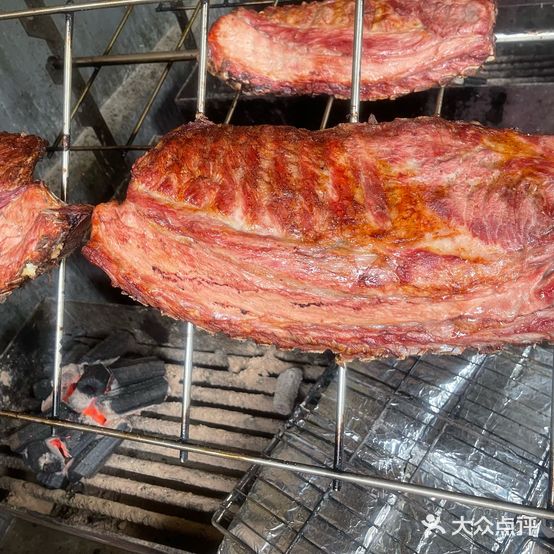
(477, 424)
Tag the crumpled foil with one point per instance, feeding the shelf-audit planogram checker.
(476, 424)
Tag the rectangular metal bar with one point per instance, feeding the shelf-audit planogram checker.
(531, 36)
(132, 58)
(439, 101)
(66, 141)
(339, 424)
(100, 147)
(354, 118)
(72, 8)
(357, 62)
(365, 480)
(187, 387)
(327, 112)
(202, 60)
(232, 107)
(189, 346)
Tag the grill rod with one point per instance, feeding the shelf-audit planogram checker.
(129, 59)
(354, 117)
(100, 4)
(200, 110)
(367, 481)
(66, 141)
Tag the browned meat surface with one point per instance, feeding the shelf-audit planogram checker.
(307, 49)
(370, 240)
(36, 229)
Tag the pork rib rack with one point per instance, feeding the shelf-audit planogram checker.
(36, 228)
(369, 240)
(307, 49)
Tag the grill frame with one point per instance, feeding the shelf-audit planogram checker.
(181, 443)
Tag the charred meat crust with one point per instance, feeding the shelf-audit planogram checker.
(369, 240)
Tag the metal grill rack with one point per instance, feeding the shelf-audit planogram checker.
(181, 445)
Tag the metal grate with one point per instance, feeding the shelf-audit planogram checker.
(182, 442)
(473, 423)
(144, 492)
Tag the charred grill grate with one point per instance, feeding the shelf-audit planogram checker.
(145, 492)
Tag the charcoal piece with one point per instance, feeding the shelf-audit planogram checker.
(127, 372)
(40, 457)
(26, 434)
(42, 389)
(94, 380)
(115, 345)
(92, 383)
(286, 391)
(133, 397)
(91, 459)
(77, 441)
(56, 480)
(75, 351)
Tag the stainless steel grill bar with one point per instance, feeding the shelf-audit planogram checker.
(357, 62)
(327, 112)
(100, 147)
(94, 74)
(104, 4)
(66, 141)
(78, 7)
(354, 118)
(187, 388)
(439, 101)
(133, 58)
(232, 107)
(374, 482)
(505, 38)
(220, 5)
(339, 424)
(202, 60)
(200, 111)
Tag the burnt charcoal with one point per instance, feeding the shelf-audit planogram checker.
(77, 441)
(40, 457)
(115, 345)
(91, 459)
(27, 434)
(127, 372)
(134, 397)
(94, 380)
(56, 480)
(75, 352)
(42, 389)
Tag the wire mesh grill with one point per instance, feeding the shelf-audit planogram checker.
(474, 423)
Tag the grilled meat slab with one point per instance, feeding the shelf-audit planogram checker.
(36, 228)
(366, 239)
(307, 49)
